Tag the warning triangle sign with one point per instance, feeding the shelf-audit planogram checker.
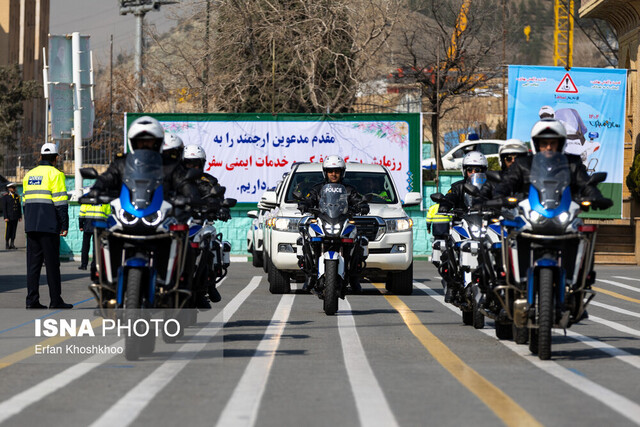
(567, 85)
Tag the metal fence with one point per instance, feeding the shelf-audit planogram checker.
(100, 150)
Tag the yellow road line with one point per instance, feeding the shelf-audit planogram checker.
(615, 294)
(30, 351)
(502, 405)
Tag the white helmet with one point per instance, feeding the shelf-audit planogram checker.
(145, 128)
(194, 152)
(513, 147)
(48, 148)
(474, 158)
(548, 129)
(333, 162)
(172, 142)
(546, 111)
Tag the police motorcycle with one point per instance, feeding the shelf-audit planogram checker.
(463, 260)
(141, 253)
(547, 254)
(330, 251)
(211, 254)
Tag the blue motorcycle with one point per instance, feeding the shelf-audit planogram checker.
(547, 255)
(140, 252)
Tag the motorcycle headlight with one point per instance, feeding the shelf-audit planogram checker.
(398, 224)
(127, 218)
(564, 217)
(534, 216)
(153, 219)
(475, 231)
(286, 224)
(331, 228)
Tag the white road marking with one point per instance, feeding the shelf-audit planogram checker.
(620, 285)
(618, 403)
(373, 407)
(626, 278)
(20, 401)
(615, 325)
(244, 404)
(616, 352)
(127, 409)
(614, 308)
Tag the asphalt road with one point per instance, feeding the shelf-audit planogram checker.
(269, 360)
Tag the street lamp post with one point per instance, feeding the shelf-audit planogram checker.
(139, 9)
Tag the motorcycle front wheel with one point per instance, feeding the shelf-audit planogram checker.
(331, 284)
(132, 300)
(545, 310)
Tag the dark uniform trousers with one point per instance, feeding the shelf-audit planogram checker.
(10, 231)
(43, 246)
(86, 245)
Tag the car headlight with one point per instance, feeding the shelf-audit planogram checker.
(153, 219)
(398, 224)
(127, 218)
(286, 224)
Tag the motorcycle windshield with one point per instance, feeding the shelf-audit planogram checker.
(550, 176)
(142, 177)
(334, 200)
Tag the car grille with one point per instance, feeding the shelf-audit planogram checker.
(367, 227)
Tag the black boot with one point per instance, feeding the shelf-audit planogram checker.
(202, 302)
(354, 283)
(214, 295)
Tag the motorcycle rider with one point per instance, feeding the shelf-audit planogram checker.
(146, 133)
(549, 135)
(513, 149)
(194, 157)
(333, 170)
(172, 149)
(474, 162)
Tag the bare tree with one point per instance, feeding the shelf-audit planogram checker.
(295, 55)
(446, 56)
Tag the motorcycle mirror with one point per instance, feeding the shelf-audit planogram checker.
(89, 173)
(218, 191)
(229, 203)
(471, 189)
(437, 197)
(494, 176)
(597, 178)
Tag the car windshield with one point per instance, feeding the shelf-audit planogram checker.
(302, 181)
(376, 184)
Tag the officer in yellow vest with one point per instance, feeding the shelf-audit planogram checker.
(46, 218)
(437, 224)
(88, 214)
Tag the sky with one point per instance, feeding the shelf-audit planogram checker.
(99, 19)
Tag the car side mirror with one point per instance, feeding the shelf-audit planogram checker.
(89, 173)
(252, 214)
(269, 199)
(412, 199)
